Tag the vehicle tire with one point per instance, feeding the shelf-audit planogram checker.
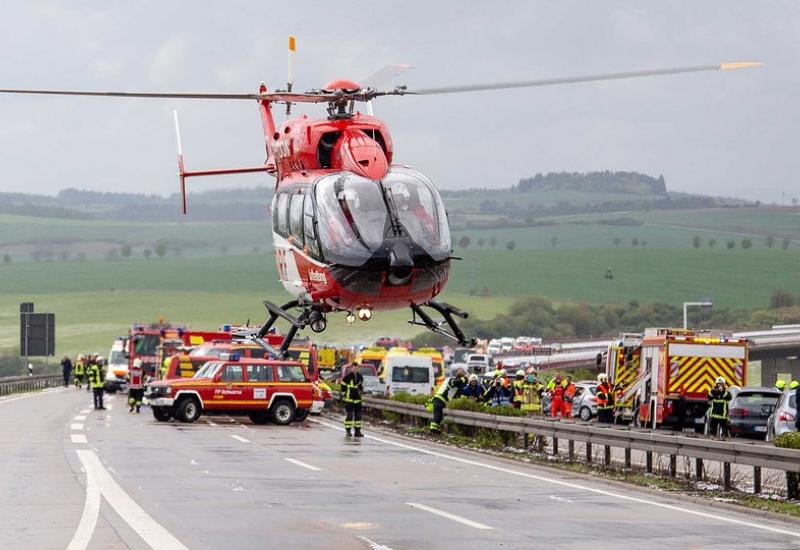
(188, 410)
(259, 417)
(301, 414)
(585, 414)
(162, 414)
(282, 413)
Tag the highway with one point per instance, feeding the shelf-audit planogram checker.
(77, 478)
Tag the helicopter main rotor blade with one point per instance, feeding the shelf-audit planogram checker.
(271, 96)
(571, 79)
(383, 75)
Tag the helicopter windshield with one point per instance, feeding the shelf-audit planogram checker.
(353, 215)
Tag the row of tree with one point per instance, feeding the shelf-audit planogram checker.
(770, 242)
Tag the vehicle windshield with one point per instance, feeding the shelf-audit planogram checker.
(353, 217)
(145, 344)
(757, 399)
(206, 351)
(207, 370)
(419, 375)
(117, 358)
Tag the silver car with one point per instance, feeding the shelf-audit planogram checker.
(783, 419)
(584, 403)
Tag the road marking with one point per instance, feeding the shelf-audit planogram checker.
(78, 438)
(86, 411)
(240, 438)
(213, 424)
(80, 418)
(450, 516)
(554, 497)
(374, 545)
(76, 426)
(303, 464)
(91, 509)
(574, 485)
(151, 532)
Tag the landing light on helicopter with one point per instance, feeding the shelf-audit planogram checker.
(365, 314)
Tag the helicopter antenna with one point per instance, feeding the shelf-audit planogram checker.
(290, 72)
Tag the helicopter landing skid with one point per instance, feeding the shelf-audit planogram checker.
(435, 325)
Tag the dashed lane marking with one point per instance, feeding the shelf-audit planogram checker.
(450, 516)
(80, 418)
(86, 411)
(240, 438)
(91, 509)
(76, 426)
(78, 438)
(151, 532)
(303, 464)
(374, 545)
(577, 486)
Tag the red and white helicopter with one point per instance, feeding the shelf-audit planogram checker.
(353, 231)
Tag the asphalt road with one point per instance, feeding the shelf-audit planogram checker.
(76, 478)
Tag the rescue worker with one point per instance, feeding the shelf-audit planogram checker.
(719, 398)
(794, 385)
(79, 371)
(66, 370)
(519, 381)
(498, 370)
(780, 385)
(532, 391)
(569, 395)
(605, 400)
(449, 389)
(135, 385)
(473, 389)
(164, 367)
(94, 377)
(556, 388)
(352, 391)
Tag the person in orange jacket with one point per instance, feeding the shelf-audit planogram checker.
(569, 395)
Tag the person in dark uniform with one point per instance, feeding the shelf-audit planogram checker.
(352, 391)
(66, 370)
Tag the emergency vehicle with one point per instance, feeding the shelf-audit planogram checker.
(371, 356)
(669, 372)
(263, 389)
(327, 358)
(437, 359)
(144, 341)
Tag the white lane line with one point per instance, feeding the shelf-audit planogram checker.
(374, 545)
(570, 485)
(559, 499)
(303, 464)
(78, 438)
(151, 532)
(86, 411)
(91, 509)
(450, 516)
(76, 426)
(240, 438)
(212, 424)
(80, 418)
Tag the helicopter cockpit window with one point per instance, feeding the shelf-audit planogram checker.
(351, 218)
(296, 218)
(311, 238)
(420, 210)
(280, 213)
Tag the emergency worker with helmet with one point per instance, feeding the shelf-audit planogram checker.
(532, 391)
(605, 400)
(449, 389)
(719, 398)
(79, 371)
(135, 385)
(557, 389)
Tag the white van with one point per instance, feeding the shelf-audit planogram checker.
(410, 374)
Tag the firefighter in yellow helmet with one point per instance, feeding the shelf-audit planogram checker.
(79, 371)
(719, 398)
(95, 378)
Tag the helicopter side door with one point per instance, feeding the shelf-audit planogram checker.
(283, 238)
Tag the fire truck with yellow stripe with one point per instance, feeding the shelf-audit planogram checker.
(662, 377)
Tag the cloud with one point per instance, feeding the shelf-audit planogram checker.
(169, 60)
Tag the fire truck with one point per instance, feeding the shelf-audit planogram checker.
(662, 377)
(144, 341)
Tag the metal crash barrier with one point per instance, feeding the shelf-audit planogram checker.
(21, 384)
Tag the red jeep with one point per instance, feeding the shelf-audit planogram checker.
(262, 389)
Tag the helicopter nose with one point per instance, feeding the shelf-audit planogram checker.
(401, 264)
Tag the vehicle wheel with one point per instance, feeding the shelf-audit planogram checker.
(301, 414)
(259, 417)
(586, 414)
(282, 412)
(162, 414)
(188, 410)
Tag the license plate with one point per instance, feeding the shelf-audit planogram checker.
(760, 428)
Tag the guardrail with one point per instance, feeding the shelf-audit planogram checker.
(651, 442)
(20, 384)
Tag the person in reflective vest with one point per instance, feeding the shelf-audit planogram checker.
(165, 367)
(719, 398)
(532, 391)
(135, 385)
(557, 388)
(605, 400)
(794, 386)
(352, 390)
(569, 395)
(473, 389)
(449, 389)
(780, 385)
(79, 371)
(95, 378)
(519, 381)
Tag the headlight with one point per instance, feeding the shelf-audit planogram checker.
(167, 391)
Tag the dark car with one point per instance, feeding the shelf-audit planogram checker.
(750, 410)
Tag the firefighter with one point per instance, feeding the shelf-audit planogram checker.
(352, 390)
(473, 389)
(556, 388)
(795, 386)
(499, 394)
(780, 385)
(499, 370)
(79, 371)
(90, 361)
(135, 385)
(66, 370)
(532, 391)
(519, 381)
(165, 367)
(605, 400)
(569, 395)
(719, 398)
(94, 375)
(449, 389)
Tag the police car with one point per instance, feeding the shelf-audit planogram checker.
(263, 389)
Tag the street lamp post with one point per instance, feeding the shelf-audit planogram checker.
(707, 303)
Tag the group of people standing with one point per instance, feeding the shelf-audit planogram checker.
(89, 369)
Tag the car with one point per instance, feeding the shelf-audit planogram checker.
(584, 402)
(263, 389)
(364, 370)
(782, 420)
(750, 410)
(373, 387)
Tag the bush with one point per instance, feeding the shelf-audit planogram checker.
(416, 399)
(790, 440)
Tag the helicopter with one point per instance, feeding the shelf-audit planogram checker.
(353, 231)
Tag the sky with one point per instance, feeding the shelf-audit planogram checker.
(720, 133)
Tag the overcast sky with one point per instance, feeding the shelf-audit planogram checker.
(732, 133)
